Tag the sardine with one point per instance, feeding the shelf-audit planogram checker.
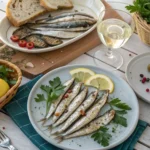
(90, 114)
(68, 97)
(54, 105)
(83, 107)
(59, 34)
(91, 127)
(72, 107)
(62, 16)
(71, 18)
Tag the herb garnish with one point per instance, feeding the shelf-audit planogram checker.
(101, 136)
(123, 108)
(142, 7)
(4, 74)
(53, 91)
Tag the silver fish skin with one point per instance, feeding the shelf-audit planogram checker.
(55, 103)
(45, 28)
(83, 107)
(62, 16)
(72, 107)
(91, 127)
(90, 114)
(72, 18)
(66, 101)
(58, 34)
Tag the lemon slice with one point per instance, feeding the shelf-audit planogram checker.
(81, 74)
(101, 82)
(4, 87)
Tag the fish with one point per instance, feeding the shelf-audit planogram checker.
(72, 107)
(54, 105)
(45, 28)
(90, 114)
(66, 101)
(51, 40)
(91, 127)
(83, 107)
(62, 16)
(37, 40)
(59, 34)
(66, 24)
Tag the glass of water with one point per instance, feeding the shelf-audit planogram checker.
(114, 28)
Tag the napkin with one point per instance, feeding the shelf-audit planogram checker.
(17, 110)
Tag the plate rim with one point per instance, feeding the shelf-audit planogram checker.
(132, 128)
(43, 50)
(127, 74)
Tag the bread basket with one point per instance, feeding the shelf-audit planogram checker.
(12, 91)
(143, 28)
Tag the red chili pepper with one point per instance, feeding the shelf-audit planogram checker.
(30, 45)
(69, 91)
(57, 114)
(82, 113)
(65, 96)
(14, 38)
(22, 43)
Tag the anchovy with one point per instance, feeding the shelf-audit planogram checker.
(58, 34)
(71, 18)
(90, 114)
(91, 127)
(72, 107)
(66, 101)
(62, 16)
(83, 107)
(56, 102)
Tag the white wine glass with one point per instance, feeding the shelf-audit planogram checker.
(114, 28)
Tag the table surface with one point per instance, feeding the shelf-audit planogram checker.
(134, 47)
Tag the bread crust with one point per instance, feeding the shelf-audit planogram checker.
(42, 3)
(14, 21)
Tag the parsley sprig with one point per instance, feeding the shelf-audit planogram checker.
(121, 109)
(142, 7)
(4, 74)
(53, 91)
(101, 136)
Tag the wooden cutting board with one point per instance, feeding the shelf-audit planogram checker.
(45, 62)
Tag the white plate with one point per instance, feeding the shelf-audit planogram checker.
(137, 66)
(122, 91)
(93, 8)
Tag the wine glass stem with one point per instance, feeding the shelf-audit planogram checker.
(109, 53)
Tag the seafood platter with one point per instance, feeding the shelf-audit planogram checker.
(79, 104)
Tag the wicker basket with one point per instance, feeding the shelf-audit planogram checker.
(143, 29)
(12, 91)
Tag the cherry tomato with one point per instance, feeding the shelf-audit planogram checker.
(30, 45)
(14, 38)
(22, 43)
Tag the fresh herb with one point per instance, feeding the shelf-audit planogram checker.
(142, 7)
(53, 91)
(4, 74)
(101, 136)
(120, 109)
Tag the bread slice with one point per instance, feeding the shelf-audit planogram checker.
(51, 5)
(20, 12)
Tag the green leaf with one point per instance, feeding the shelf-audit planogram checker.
(40, 98)
(114, 101)
(120, 120)
(46, 88)
(104, 129)
(121, 112)
(55, 83)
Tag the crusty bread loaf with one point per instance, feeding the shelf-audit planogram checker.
(56, 4)
(20, 12)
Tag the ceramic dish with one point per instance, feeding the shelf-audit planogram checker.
(122, 91)
(137, 66)
(92, 8)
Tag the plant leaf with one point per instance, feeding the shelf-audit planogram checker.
(120, 120)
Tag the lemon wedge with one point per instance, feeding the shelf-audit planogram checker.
(82, 74)
(4, 87)
(101, 82)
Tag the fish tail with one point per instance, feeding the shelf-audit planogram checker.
(49, 128)
(59, 138)
(55, 133)
(43, 120)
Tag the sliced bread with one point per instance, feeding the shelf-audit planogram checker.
(20, 12)
(51, 5)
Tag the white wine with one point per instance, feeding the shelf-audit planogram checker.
(114, 33)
